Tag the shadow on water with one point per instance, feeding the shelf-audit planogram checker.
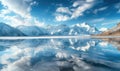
(60, 55)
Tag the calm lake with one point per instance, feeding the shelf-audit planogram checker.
(59, 55)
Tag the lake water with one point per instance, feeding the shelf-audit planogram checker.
(59, 55)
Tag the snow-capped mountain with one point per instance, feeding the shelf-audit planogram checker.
(33, 30)
(83, 28)
(6, 30)
(59, 30)
(77, 29)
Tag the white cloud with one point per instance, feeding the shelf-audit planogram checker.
(21, 7)
(3, 12)
(21, 10)
(77, 3)
(98, 20)
(103, 8)
(100, 9)
(78, 8)
(60, 17)
(80, 2)
(63, 10)
(89, 0)
(17, 21)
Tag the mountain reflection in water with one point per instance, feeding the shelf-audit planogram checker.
(113, 41)
(59, 55)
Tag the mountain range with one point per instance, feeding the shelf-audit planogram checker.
(77, 29)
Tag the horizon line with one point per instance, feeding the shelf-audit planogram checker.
(55, 37)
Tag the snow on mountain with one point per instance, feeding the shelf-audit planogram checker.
(6, 30)
(59, 30)
(33, 30)
(83, 28)
(85, 25)
(77, 29)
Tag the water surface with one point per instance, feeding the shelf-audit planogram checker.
(59, 55)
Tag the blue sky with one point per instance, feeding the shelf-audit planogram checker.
(98, 13)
